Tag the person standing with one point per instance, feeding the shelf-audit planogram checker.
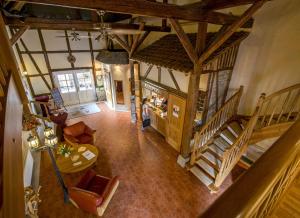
(145, 114)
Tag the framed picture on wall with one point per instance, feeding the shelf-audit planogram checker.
(176, 111)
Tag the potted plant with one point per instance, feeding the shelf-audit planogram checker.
(64, 150)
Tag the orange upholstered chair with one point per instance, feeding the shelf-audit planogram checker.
(93, 193)
(79, 133)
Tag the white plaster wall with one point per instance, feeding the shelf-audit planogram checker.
(268, 60)
(55, 41)
(122, 72)
(31, 40)
(59, 60)
(83, 59)
(181, 78)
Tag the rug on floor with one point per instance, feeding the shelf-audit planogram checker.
(82, 110)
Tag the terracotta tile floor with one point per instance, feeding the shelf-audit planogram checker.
(152, 183)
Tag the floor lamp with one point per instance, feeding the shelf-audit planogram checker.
(50, 142)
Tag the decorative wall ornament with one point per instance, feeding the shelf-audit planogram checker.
(32, 200)
(71, 59)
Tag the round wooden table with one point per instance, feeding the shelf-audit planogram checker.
(66, 165)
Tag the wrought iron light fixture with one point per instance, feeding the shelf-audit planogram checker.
(103, 27)
(49, 143)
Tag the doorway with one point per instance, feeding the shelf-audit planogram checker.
(119, 92)
(76, 86)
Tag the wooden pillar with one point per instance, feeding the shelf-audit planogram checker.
(11, 64)
(193, 92)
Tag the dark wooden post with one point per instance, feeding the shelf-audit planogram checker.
(11, 63)
(193, 93)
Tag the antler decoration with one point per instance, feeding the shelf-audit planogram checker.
(32, 199)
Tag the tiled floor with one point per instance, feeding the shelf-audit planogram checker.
(152, 184)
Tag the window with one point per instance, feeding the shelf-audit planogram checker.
(84, 81)
(66, 83)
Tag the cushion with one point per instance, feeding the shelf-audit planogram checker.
(98, 185)
(85, 139)
(86, 179)
(75, 130)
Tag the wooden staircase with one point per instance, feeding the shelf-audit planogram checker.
(209, 163)
(223, 140)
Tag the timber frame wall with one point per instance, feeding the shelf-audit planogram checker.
(22, 50)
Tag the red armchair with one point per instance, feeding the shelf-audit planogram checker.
(79, 133)
(93, 193)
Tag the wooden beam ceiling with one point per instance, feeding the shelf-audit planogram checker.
(225, 34)
(38, 23)
(145, 8)
(18, 34)
(218, 4)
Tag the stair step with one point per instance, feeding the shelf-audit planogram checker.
(243, 123)
(228, 136)
(202, 175)
(215, 150)
(207, 168)
(235, 128)
(246, 162)
(214, 161)
(221, 143)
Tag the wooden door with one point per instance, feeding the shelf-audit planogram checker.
(85, 86)
(119, 92)
(176, 111)
(65, 81)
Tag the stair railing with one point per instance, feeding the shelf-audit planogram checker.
(258, 192)
(280, 107)
(223, 115)
(234, 152)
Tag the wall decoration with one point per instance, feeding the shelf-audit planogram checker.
(176, 110)
(71, 58)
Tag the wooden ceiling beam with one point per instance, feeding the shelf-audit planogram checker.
(117, 39)
(185, 41)
(18, 34)
(136, 40)
(219, 4)
(145, 8)
(230, 30)
(38, 23)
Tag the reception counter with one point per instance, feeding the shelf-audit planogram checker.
(157, 121)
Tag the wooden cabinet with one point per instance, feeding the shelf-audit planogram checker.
(153, 118)
(157, 122)
(161, 125)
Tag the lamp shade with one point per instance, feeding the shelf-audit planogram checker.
(48, 131)
(51, 140)
(33, 142)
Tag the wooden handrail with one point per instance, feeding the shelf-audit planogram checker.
(224, 114)
(296, 86)
(257, 192)
(234, 152)
(279, 107)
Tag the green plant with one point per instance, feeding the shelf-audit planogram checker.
(64, 149)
